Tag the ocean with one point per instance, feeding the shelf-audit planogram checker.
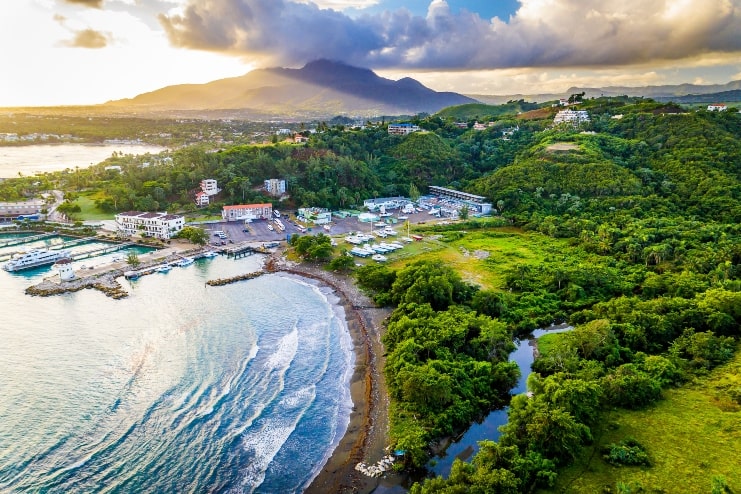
(180, 387)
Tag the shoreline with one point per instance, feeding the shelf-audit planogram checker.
(366, 436)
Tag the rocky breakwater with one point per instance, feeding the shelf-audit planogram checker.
(105, 282)
(234, 279)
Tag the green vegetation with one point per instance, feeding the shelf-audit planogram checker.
(691, 436)
(486, 113)
(132, 259)
(89, 210)
(196, 235)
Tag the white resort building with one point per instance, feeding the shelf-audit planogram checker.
(247, 212)
(275, 186)
(202, 199)
(403, 129)
(717, 107)
(157, 225)
(574, 117)
(209, 186)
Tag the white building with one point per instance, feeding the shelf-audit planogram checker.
(247, 212)
(402, 129)
(11, 210)
(318, 216)
(202, 199)
(157, 225)
(386, 203)
(66, 272)
(275, 186)
(717, 107)
(209, 186)
(574, 117)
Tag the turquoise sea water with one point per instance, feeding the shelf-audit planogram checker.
(180, 387)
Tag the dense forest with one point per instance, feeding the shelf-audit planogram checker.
(644, 204)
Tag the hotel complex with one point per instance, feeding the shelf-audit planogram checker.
(158, 225)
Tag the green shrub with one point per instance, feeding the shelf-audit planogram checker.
(628, 452)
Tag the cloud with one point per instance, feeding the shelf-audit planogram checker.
(88, 38)
(96, 4)
(342, 4)
(543, 33)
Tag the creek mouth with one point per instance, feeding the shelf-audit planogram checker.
(466, 445)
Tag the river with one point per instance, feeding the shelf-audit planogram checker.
(467, 445)
(41, 158)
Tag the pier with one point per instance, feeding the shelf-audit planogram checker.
(102, 250)
(71, 243)
(26, 240)
(247, 248)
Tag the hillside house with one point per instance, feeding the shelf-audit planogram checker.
(202, 199)
(275, 186)
(402, 129)
(209, 186)
(574, 117)
(717, 107)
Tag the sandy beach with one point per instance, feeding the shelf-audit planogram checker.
(367, 433)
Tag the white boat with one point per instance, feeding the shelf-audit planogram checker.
(164, 268)
(35, 258)
(210, 253)
(185, 261)
(379, 258)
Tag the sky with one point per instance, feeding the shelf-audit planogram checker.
(73, 52)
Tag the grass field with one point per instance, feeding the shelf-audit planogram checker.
(693, 435)
(482, 256)
(89, 211)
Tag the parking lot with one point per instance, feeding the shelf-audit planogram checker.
(258, 231)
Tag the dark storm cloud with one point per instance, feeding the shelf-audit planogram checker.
(88, 38)
(556, 33)
(87, 3)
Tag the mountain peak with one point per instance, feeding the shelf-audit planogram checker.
(321, 87)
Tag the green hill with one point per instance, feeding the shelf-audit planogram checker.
(482, 112)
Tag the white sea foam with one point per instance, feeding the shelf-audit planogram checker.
(285, 351)
(265, 441)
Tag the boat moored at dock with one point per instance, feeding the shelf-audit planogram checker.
(35, 258)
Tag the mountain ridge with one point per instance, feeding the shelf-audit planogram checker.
(321, 88)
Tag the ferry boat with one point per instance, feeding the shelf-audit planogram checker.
(35, 258)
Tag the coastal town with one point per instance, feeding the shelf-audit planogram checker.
(469, 263)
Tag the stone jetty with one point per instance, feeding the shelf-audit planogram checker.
(105, 282)
(234, 279)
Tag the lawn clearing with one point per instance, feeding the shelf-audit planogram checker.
(89, 211)
(483, 256)
(691, 436)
